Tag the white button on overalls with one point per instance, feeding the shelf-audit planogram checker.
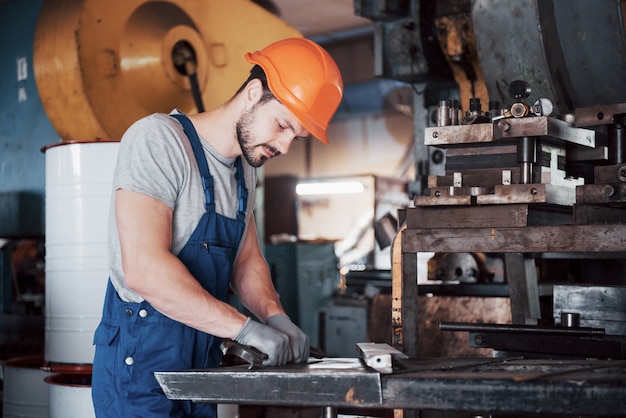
(143, 313)
(129, 361)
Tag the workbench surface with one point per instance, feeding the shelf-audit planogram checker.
(595, 387)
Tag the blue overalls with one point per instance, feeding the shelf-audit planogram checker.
(134, 340)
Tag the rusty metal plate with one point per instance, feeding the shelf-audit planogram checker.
(510, 128)
(609, 174)
(604, 238)
(330, 381)
(601, 193)
(439, 196)
(598, 115)
(425, 217)
(529, 193)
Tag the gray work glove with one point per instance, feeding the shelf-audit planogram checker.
(266, 339)
(298, 340)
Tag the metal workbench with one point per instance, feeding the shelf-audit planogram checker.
(478, 385)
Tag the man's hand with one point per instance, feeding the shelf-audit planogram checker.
(268, 340)
(298, 340)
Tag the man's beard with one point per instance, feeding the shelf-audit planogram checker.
(245, 137)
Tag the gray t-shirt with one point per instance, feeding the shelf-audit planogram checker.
(156, 158)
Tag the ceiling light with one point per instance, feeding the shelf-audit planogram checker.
(328, 187)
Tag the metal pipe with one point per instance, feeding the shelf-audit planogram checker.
(329, 412)
(526, 156)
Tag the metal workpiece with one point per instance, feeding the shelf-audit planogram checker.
(327, 382)
(508, 129)
(380, 356)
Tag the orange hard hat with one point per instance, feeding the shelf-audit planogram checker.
(305, 78)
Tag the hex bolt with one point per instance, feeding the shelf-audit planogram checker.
(533, 191)
(478, 339)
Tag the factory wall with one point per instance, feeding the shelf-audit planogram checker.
(24, 126)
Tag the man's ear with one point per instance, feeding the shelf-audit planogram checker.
(253, 91)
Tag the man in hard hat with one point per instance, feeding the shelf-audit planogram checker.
(182, 233)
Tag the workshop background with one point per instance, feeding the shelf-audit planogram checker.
(75, 73)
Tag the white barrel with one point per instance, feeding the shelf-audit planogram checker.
(227, 411)
(25, 394)
(70, 396)
(79, 176)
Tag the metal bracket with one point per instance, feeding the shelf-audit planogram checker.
(380, 356)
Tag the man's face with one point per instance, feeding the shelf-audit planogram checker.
(267, 130)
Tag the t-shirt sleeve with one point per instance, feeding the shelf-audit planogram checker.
(151, 160)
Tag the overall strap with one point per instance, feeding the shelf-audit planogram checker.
(203, 166)
(242, 191)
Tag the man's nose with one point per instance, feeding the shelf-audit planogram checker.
(283, 143)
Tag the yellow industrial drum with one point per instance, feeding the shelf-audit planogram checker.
(24, 394)
(70, 396)
(112, 62)
(79, 178)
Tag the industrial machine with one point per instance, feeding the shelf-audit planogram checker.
(536, 176)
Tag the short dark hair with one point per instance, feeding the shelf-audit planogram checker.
(257, 72)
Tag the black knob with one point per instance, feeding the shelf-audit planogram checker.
(519, 90)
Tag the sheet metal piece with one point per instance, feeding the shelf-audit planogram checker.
(380, 356)
(330, 381)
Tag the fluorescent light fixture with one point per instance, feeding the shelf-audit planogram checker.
(329, 187)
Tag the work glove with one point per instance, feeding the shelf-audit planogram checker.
(266, 339)
(298, 340)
